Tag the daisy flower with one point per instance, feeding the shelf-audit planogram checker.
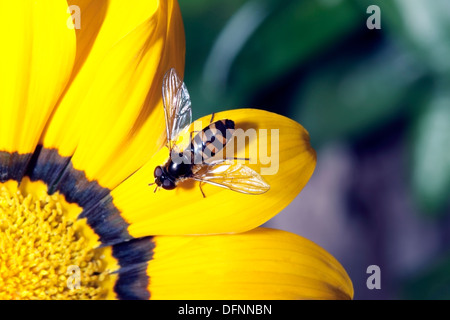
(81, 131)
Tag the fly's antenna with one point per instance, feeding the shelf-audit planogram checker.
(150, 184)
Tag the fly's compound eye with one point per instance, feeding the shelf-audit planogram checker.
(158, 173)
(159, 176)
(168, 184)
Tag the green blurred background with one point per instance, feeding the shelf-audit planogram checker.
(377, 106)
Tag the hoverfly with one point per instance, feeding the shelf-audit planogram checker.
(197, 160)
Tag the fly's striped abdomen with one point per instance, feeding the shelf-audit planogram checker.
(212, 139)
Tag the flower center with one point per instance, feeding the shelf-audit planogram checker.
(45, 252)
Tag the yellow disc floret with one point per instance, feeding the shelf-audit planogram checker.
(44, 252)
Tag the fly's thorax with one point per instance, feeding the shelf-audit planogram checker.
(178, 170)
(179, 164)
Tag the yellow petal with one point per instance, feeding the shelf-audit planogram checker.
(117, 88)
(36, 62)
(92, 14)
(185, 211)
(259, 264)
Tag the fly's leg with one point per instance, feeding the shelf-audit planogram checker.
(213, 163)
(200, 185)
(237, 158)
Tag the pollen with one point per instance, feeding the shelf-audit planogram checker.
(43, 252)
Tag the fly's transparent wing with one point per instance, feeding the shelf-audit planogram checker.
(233, 176)
(177, 106)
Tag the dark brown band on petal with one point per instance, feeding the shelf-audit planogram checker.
(49, 165)
(59, 175)
(13, 165)
(133, 258)
(107, 222)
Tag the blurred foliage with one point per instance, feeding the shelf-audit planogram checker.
(425, 27)
(431, 152)
(352, 96)
(431, 284)
(317, 62)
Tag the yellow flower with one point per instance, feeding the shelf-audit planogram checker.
(81, 131)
